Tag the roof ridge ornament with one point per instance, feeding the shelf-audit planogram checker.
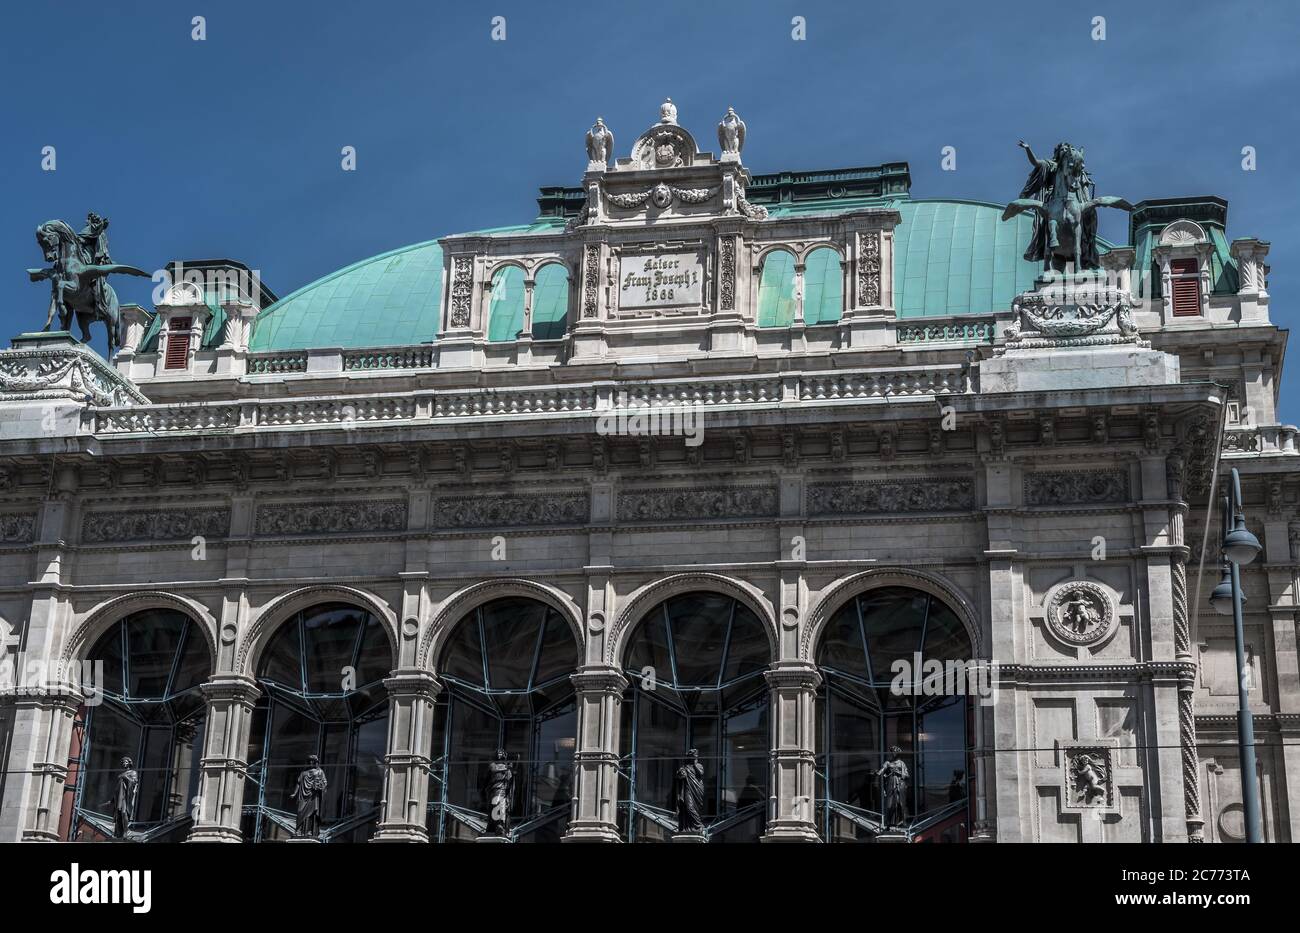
(600, 146)
(668, 112)
(731, 135)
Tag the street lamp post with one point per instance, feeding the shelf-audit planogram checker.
(1240, 547)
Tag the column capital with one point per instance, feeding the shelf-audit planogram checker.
(599, 679)
(233, 688)
(412, 682)
(798, 674)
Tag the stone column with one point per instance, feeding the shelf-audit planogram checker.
(1183, 656)
(42, 731)
(792, 814)
(411, 694)
(219, 808)
(595, 760)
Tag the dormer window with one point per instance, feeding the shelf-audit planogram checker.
(1185, 282)
(178, 343)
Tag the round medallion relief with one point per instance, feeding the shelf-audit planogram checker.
(1080, 613)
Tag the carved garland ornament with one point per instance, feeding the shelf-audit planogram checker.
(869, 270)
(1081, 614)
(591, 281)
(661, 196)
(462, 290)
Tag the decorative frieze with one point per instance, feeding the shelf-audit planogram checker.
(17, 527)
(331, 517)
(872, 497)
(673, 503)
(512, 511)
(154, 525)
(1092, 487)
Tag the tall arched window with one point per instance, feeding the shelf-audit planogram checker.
(873, 697)
(506, 310)
(695, 665)
(823, 290)
(321, 675)
(776, 290)
(505, 674)
(151, 712)
(551, 302)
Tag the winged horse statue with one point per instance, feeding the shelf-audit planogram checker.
(1063, 199)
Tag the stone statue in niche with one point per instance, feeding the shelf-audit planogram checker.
(600, 143)
(731, 133)
(310, 794)
(688, 794)
(499, 794)
(128, 792)
(893, 776)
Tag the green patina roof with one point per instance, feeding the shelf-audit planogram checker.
(392, 299)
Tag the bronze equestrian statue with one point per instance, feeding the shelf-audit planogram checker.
(78, 265)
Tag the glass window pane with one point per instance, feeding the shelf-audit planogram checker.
(699, 627)
(194, 661)
(550, 302)
(823, 293)
(463, 656)
(892, 618)
(776, 290)
(559, 655)
(152, 639)
(945, 636)
(841, 646)
(376, 659)
(511, 628)
(506, 310)
(281, 660)
(747, 651)
(330, 644)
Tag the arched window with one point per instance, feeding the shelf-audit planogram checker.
(873, 698)
(506, 310)
(151, 712)
(551, 302)
(695, 665)
(505, 674)
(321, 676)
(776, 290)
(823, 290)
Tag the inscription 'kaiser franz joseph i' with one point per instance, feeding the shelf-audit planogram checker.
(659, 281)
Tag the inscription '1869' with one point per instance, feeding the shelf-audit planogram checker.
(662, 280)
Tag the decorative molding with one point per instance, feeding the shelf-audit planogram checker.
(591, 281)
(331, 517)
(727, 274)
(154, 525)
(71, 370)
(926, 494)
(665, 504)
(511, 511)
(1062, 488)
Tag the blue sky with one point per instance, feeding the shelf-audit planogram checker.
(231, 146)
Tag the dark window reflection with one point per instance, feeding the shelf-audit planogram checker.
(321, 676)
(153, 713)
(695, 665)
(505, 674)
(862, 713)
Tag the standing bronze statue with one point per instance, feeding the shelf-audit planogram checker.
(1063, 198)
(893, 789)
(688, 794)
(128, 792)
(499, 794)
(78, 265)
(310, 794)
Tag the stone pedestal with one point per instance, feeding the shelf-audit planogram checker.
(46, 379)
(689, 838)
(1075, 332)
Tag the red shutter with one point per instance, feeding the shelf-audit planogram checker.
(1186, 283)
(178, 344)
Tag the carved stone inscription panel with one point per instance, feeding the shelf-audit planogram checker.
(660, 280)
